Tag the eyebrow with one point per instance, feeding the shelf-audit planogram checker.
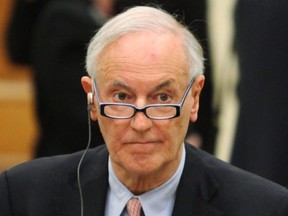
(166, 83)
(118, 83)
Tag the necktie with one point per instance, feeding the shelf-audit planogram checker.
(134, 207)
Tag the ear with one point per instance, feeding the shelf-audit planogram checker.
(196, 91)
(87, 86)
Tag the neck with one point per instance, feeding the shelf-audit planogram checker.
(143, 182)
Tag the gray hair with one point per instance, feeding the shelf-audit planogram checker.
(141, 18)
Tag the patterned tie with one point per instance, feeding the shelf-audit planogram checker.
(134, 207)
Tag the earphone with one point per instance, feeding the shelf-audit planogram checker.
(90, 98)
(89, 103)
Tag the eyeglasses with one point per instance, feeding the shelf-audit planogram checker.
(152, 111)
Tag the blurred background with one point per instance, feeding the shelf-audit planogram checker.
(18, 127)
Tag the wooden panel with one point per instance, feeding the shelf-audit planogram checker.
(8, 70)
(17, 121)
(18, 126)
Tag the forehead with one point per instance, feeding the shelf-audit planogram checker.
(143, 54)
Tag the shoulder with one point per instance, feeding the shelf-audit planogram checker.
(54, 169)
(75, 12)
(227, 173)
(35, 185)
(236, 188)
(63, 24)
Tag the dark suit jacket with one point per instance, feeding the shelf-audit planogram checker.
(58, 55)
(51, 36)
(208, 187)
(261, 142)
(21, 26)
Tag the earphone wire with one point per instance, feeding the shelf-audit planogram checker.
(80, 162)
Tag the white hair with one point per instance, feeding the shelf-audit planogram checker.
(142, 18)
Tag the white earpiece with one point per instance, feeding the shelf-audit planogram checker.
(90, 98)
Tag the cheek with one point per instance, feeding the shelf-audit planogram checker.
(110, 129)
(109, 132)
(113, 132)
(181, 127)
(174, 132)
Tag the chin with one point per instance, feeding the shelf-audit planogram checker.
(144, 166)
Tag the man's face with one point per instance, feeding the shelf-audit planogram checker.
(144, 68)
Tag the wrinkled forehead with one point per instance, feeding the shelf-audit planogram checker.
(143, 54)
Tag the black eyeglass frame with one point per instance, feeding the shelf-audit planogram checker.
(143, 109)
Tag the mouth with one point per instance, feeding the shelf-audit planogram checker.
(142, 142)
(143, 146)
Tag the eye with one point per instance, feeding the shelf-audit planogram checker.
(121, 96)
(163, 97)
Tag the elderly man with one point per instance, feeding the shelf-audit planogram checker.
(145, 81)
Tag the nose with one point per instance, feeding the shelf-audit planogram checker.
(141, 122)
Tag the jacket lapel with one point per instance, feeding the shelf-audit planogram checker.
(94, 181)
(196, 188)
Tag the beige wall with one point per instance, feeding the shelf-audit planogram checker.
(225, 73)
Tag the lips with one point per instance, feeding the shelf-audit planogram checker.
(142, 142)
